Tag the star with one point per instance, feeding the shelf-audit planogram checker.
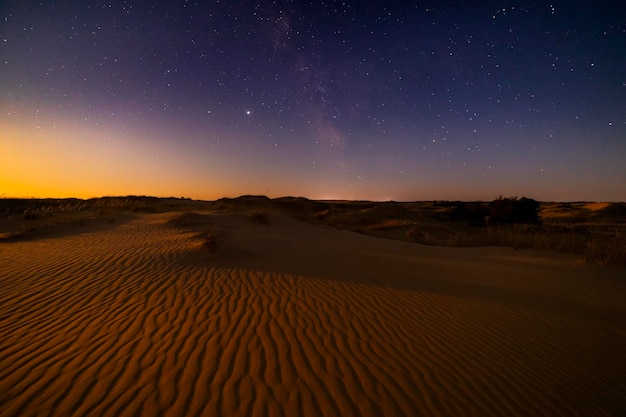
(374, 87)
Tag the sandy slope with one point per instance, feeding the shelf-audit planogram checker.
(296, 320)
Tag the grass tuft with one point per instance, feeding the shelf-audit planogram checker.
(596, 245)
(258, 216)
(210, 240)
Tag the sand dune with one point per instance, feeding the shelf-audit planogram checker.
(297, 320)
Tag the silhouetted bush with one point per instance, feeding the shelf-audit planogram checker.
(210, 240)
(473, 213)
(259, 216)
(614, 210)
(513, 210)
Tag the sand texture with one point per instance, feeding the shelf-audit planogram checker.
(290, 319)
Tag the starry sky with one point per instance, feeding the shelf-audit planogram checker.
(377, 100)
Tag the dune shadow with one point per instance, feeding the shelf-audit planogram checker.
(62, 228)
(548, 282)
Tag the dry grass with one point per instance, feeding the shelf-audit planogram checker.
(595, 231)
(258, 216)
(595, 244)
(606, 250)
(188, 219)
(210, 240)
(27, 217)
(200, 225)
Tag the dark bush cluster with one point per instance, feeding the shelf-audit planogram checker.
(513, 210)
(473, 213)
(500, 211)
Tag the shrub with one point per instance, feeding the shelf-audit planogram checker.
(514, 211)
(210, 240)
(606, 250)
(473, 213)
(259, 216)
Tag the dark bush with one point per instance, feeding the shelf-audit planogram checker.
(513, 210)
(258, 216)
(473, 213)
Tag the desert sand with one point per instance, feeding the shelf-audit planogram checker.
(292, 319)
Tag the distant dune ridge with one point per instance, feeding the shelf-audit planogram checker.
(139, 317)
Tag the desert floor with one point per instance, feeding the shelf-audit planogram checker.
(139, 317)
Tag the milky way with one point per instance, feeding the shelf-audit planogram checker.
(355, 100)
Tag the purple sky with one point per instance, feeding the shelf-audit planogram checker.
(327, 99)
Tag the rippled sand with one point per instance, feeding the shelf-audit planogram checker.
(295, 320)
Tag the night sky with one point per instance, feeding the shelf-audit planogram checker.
(374, 100)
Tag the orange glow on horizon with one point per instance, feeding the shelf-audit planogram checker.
(70, 159)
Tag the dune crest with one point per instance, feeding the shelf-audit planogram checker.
(290, 319)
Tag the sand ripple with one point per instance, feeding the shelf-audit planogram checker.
(136, 321)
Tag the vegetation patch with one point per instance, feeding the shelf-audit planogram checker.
(595, 231)
(210, 240)
(259, 216)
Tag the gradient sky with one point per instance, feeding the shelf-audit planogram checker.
(373, 100)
